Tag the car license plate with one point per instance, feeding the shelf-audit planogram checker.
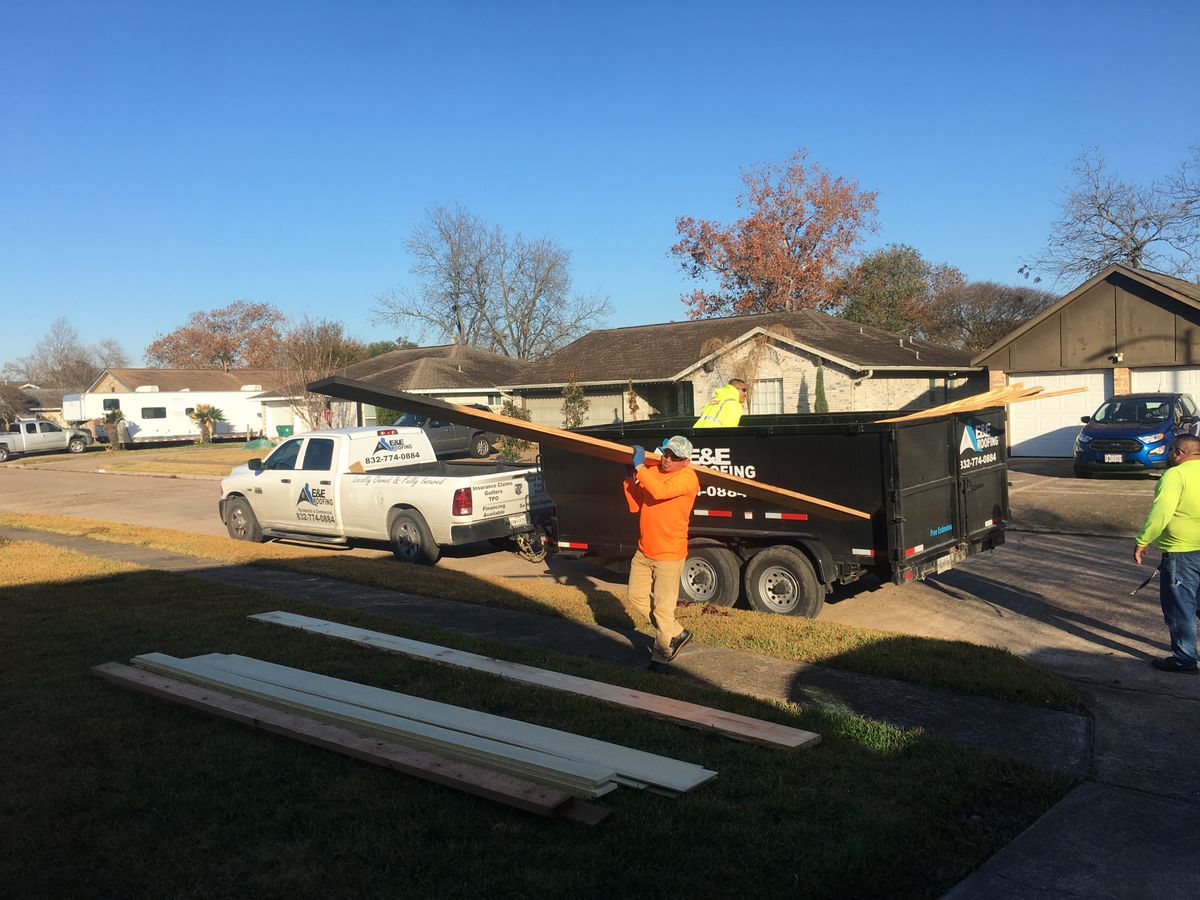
(518, 521)
(1113, 457)
(944, 563)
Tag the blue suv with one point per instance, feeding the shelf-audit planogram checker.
(1132, 432)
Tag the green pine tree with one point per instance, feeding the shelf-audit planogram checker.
(821, 405)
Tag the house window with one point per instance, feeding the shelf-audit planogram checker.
(154, 412)
(493, 400)
(111, 405)
(767, 397)
(192, 409)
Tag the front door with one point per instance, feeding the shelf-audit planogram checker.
(275, 486)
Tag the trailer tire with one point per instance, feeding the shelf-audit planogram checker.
(480, 447)
(77, 445)
(710, 575)
(782, 581)
(241, 522)
(411, 539)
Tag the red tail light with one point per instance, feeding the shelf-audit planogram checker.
(463, 505)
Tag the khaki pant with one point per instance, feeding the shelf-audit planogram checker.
(653, 592)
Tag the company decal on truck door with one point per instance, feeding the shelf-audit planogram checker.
(978, 446)
(312, 506)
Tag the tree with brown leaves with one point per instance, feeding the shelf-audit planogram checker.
(243, 335)
(801, 232)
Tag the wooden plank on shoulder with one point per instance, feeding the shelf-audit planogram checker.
(693, 715)
(476, 780)
(349, 389)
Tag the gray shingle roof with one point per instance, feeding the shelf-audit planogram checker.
(441, 368)
(660, 352)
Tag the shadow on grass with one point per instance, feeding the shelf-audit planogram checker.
(107, 793)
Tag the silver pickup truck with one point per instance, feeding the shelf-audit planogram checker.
(41, 436)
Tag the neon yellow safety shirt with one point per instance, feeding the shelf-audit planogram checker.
(1173, 523)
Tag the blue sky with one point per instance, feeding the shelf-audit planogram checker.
(162, 157)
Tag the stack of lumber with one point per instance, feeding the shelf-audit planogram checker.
(693, 715)
(1014, 393)
(472, 779)
(584, 766)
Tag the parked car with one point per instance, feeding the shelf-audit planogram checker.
(1132, 433)
(41, 436)
(449, 439)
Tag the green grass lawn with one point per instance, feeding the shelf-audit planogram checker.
(955, 665)
(105, 793)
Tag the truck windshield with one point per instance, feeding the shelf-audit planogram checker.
(410, 420)
(1133, 412)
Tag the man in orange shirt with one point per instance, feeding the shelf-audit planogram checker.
(663, 497)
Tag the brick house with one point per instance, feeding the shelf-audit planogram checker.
(672, 368)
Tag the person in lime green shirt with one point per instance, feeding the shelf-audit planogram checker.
(1173, 525)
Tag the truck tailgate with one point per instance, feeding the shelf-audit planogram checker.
(512, 494)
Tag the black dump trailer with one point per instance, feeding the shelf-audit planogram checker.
(936, 490)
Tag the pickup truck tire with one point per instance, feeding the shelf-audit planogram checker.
(480, 447)
(241, 523)
(781, 580)
(411, 540)
(3, 452)
(77, 445)
(711, 575)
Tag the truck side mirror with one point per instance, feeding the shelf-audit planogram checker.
(254, 465)
(1189, 420)
(1085, 419)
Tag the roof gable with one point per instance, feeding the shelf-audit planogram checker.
(669, 351)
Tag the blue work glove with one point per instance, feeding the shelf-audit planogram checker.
(639, 455)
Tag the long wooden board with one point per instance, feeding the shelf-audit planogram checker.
(349, 389)
(1014, 393)
(476, 780)
(638, 765)
(692, 715)
(583, 779)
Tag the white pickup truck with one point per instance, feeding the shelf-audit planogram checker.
(382, 484)
(41, 436)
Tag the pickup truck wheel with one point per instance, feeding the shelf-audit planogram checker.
(411, 540)
(710, 575)
(241, 522)
(480, 446)
(77, 445)
(781, 580)
(3, 452)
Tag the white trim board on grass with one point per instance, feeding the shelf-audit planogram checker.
(583, 779)
(649, 768)
(477, 780)
(690, 714)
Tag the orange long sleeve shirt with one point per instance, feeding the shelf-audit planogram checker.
(664, 504)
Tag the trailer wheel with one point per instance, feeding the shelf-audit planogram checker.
(781, 580)
(710, 575)
(480, 446)
(412, 541)
(241, 522)
(77, 445)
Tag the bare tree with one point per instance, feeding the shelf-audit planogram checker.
(974, 315)
(480, 287)
(1106, 220)
(314, 350)
(61, 359)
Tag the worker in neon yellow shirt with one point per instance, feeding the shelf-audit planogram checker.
(1173, 525)
(725, 409)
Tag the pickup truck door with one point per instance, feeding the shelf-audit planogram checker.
(275, 489)
(444, 437)
(315, 506)
(50, 437)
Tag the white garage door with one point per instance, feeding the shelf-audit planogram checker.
(1180, 381)
(1048, 427)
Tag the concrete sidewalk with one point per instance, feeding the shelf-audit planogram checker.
(1128, 832)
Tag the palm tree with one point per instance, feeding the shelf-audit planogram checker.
(206, 416)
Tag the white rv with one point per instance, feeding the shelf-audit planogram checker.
(155, 416)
